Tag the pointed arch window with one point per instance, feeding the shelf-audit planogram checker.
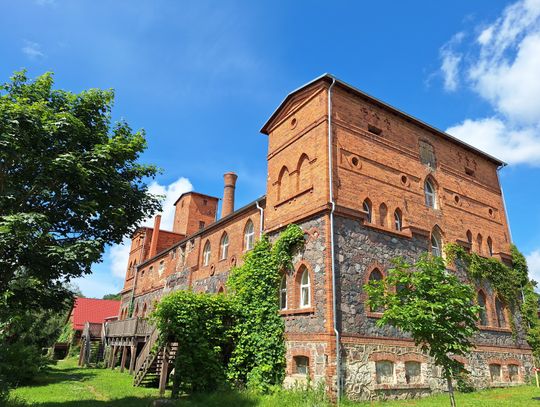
(305, 289)
(283, 292)
(366, 206)
(430, 194)
(249, 235)
(383, 213)
(490, 246)
(479, 241)
(398, 221)
(500, 311)
(207, 251)
(469, 236)
(375, 275)
(436, 243)
(482, 316)
(224, 246)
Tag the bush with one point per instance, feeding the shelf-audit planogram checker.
(20, 363)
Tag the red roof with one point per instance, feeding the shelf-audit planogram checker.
(92, 310)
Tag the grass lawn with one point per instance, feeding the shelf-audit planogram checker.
(66, 385)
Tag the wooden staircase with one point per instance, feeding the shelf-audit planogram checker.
(149, 366)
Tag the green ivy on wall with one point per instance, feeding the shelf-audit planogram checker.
(512, 285)
(238, 338)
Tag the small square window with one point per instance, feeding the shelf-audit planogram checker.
(384, 371)
(301, 365)
(495, 372)
(412, 372)
(201, 225)
(374, 129)
(513, 373)
(469, 172)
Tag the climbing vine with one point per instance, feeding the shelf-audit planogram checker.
(235, 339)
(512, 285)
(258, 359)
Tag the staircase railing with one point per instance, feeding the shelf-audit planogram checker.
(146, 350)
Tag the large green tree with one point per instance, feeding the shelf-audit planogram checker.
(433, 306)
(70, 184)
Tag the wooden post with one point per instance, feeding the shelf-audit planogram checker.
(132, 354)
(113, 357)
(81, 354)
(123, 361)
(536, 375)
(164, 374)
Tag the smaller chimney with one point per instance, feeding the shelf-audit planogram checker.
(155, 236)
(228, 193)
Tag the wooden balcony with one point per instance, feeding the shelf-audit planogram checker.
(131, 330)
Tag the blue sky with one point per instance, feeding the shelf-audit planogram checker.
(202, 77)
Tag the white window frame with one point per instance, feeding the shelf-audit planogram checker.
(283, 292)
(436, 245)
(430, 194)
(397, 221)
(367, 208)
(249, 236)
(224, 247)
(305, 287)
(207, 251)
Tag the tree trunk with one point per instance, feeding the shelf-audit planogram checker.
(450, 389)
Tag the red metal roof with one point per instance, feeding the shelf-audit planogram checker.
(92, 310)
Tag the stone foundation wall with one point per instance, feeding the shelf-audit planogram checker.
(360, 375)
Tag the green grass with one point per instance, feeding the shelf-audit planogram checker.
(66, 385)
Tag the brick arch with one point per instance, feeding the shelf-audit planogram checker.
(399, 212)
(303, 173)
(283, 184)
(369, 218)
(220, 289)
(414, 357)
(371, 267)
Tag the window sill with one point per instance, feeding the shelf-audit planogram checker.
(495, 329)
(299, 311)
(402, 386)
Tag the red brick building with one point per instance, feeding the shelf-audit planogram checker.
(367, 183)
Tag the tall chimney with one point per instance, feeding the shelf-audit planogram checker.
(229, 179)
(155, 236)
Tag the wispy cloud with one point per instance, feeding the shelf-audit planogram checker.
(32, 50)
(501, 65)
(533, 261)
(117, 256)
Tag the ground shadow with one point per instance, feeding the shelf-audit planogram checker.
(53, 376)
(225, 400)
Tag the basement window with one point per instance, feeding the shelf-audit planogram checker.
(301, 365)
(373, 129)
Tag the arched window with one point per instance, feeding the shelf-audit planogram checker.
(436, 242)
(207, 251)
(224, 246)
(482, 316)
(383, 213)
(430, 194)
(469, 237)
(221, 290)
(136, 312)
(249, 235)
(398, 222)
(305, 289)
(144, 310)
(479, 241)
(375, 275)
(500, 310)
(161, 267)
(283, 292)
(490, 246)
(366, 206)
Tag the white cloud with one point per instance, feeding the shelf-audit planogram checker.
(32, 50)
(533, 261)
(450, 62)
(502, 66)
(97, 285)
(117, 256)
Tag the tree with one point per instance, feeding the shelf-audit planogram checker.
(433, 306)
(112, 297)
(70, 184)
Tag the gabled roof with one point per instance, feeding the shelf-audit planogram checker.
(92, 310)
(331, 78)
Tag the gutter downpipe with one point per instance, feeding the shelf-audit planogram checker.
(332, 250)
(261, 210)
